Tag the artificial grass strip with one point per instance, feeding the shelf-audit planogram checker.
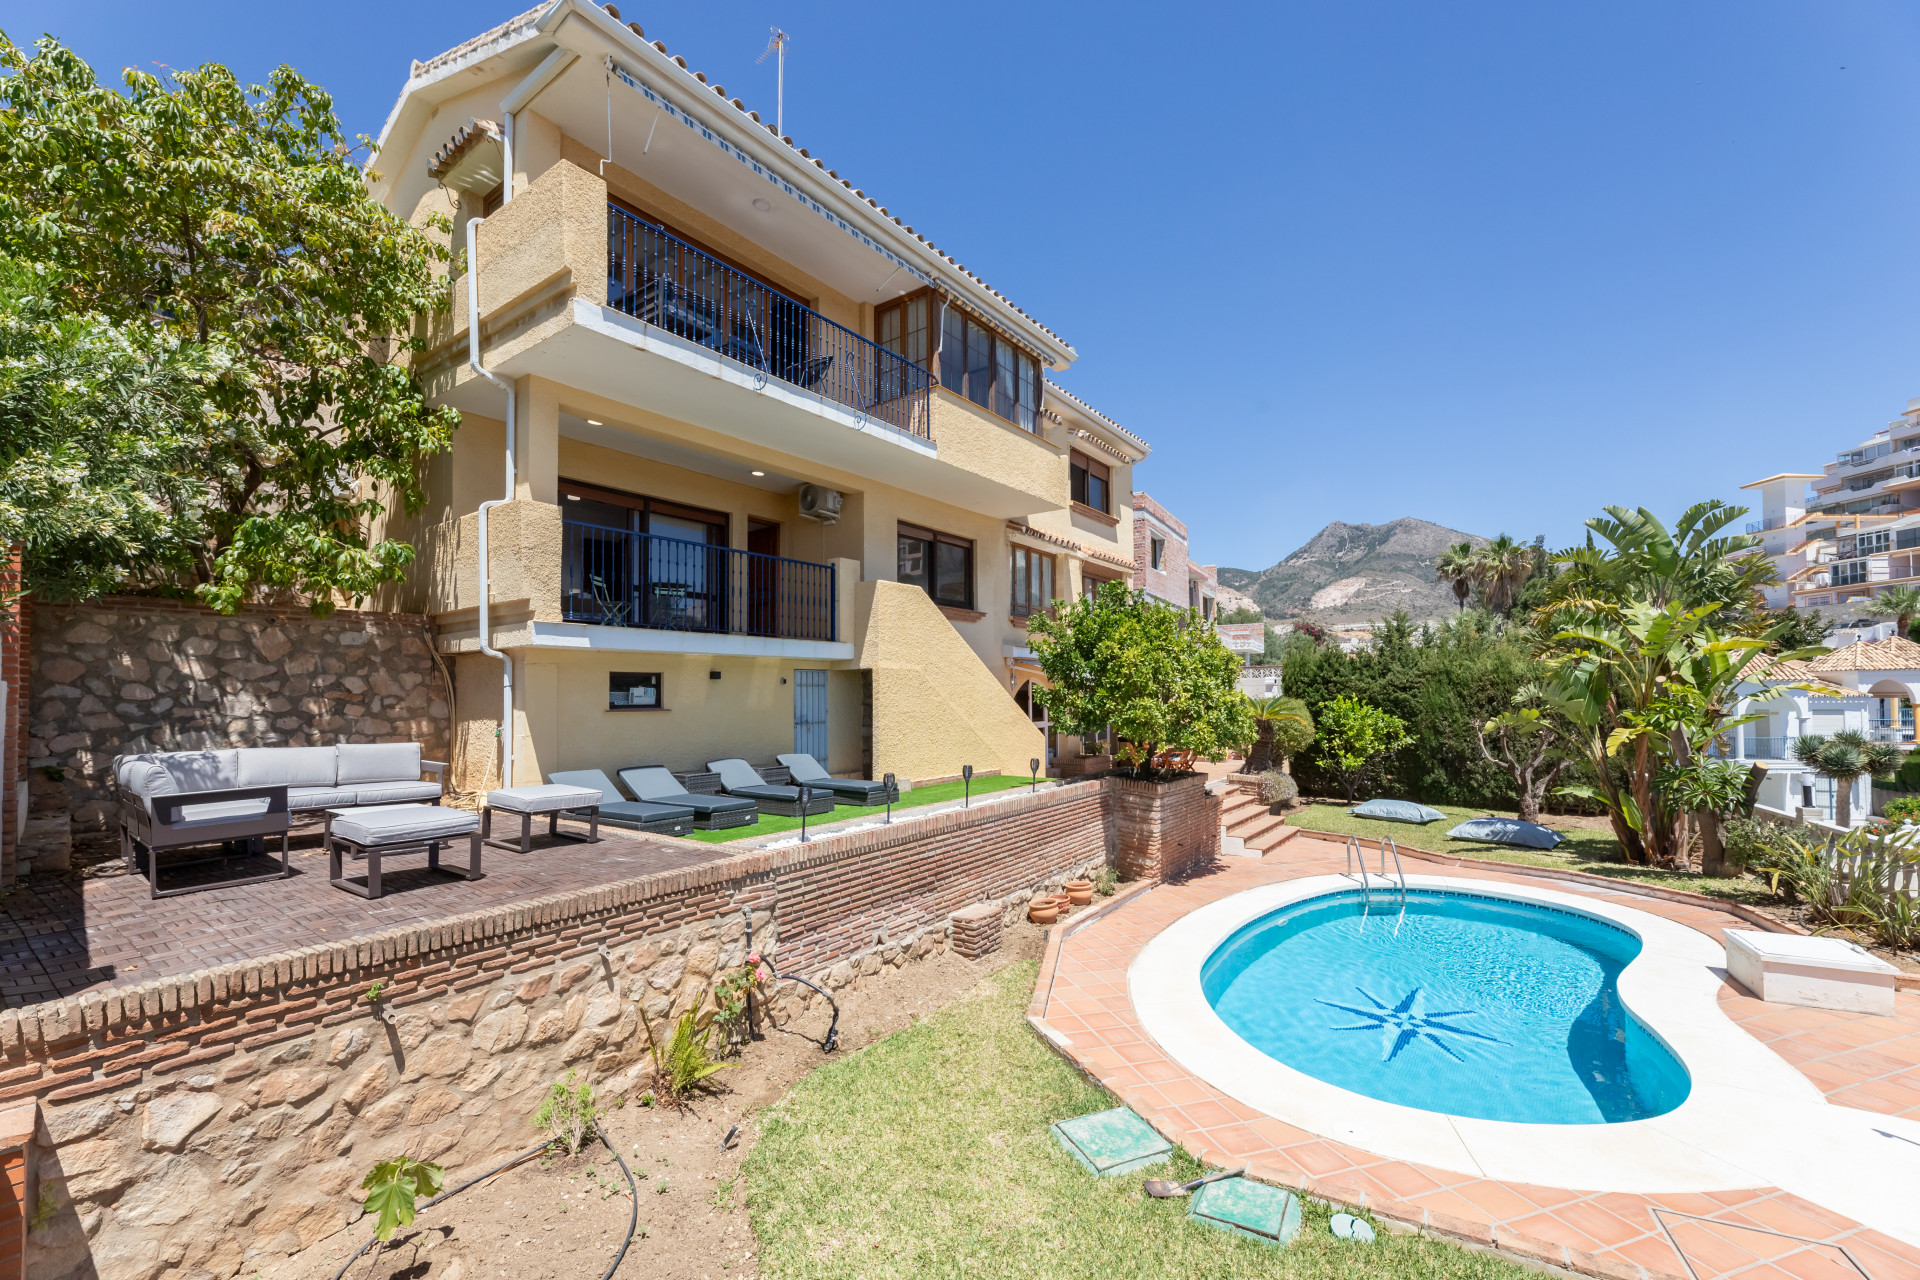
(769, 823)
(928, 1154)
(1594, 852)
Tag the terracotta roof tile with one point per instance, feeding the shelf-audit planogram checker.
(1895, 653)
(1767, 667)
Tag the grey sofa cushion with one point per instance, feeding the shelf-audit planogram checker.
(286, 766)
(544, 799)
(404, 824)
(172, 772)
(378, 762)
(395, 792)
(319, 797)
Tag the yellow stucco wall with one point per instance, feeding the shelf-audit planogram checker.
(935, 706)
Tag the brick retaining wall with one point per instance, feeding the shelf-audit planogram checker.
(212, 1122)
(1164, 830)
(128, 673)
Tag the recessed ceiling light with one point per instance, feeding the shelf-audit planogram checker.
(593, 422)
(759, 473)
(761, 204)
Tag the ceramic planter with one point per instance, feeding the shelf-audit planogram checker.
(1079, 892)
(1043, 911)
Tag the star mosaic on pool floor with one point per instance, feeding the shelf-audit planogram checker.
(1406, 1022)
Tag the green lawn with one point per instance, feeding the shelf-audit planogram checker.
(927, 1154)
(841, 812)
(1594, 852)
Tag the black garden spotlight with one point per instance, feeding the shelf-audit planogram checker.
(806, 797)
(966, 784)
(888, 783)
(1034, 766)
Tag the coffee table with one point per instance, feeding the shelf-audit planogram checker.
(384, 831)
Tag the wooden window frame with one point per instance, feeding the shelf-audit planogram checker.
(995, 340)
(1079, 486)
(1016, 580)
(648, 505)
(935, 537)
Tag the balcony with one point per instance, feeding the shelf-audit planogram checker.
(1758, 747)
(1885, 729)
(617, 578)
(1762, 526)
(655, 276)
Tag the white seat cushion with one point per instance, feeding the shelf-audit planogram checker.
(394, 793)
(288, 766)
(218, 813)
(544, 799)
(319, 797)
(403, 824)
(378, 762)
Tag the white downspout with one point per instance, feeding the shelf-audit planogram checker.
(486, 581)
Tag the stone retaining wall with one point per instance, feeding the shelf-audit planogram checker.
(205, 1124)
(128, 674)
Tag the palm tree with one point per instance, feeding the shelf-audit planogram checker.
(1505, 566)
(1843, 758)
(1898, 603)
(1282, 727)
(1456, 568)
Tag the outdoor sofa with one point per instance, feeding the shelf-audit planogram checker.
(618, 811)
(805, 769)
(737, 778)
(710, 813)
(173, 799)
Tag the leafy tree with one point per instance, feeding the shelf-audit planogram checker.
(1356, 739)
(95, 470)
(1844, 758)
(1899, 603)
(1530, 741)
(1242, 614)
(1159, 677)
(233, 223)
(1791, 629)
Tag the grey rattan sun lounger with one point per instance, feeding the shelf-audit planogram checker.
(710, 813)
(634, 815)
(739, 779)
(856, 790)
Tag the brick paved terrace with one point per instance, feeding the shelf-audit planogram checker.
(64, 935)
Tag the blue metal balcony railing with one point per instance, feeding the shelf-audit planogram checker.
(617, 578)
(1757, 747)
(661, 279)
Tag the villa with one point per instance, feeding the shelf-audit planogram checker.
(747, 465)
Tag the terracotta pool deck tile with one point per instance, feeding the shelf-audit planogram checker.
(1550, 1226)
(1652, 1252)
(1882, 1255)
(1278, 1133)
(1724, 1249)
(1795, 1217)
(1403, 1181)
(1601, 1224)
(1493, 1202)
(1813, 1264)
(1318, 1159)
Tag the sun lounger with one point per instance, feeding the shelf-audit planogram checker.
(618, 811)
(739, 779)
(710, 813)
(857, 790)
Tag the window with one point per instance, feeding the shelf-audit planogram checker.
(1848, 572)
(1089, 481)
(633, 691)
(1156, 552)
(1032, 582)
(939, 564)
(1906, 538)
(1872, 544)
(901, 327)
(1193, 594)
(988, 370)
(491, 202)
(1090, 585)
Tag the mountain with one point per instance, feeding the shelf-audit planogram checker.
(1356, 573)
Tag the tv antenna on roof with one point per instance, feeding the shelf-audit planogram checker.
(778, 44)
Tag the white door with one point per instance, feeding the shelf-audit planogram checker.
(810, 714)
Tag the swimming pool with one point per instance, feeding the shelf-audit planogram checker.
(1465, 1004)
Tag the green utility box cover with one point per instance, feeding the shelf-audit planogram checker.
(1112, 1142)
(1251, 1208)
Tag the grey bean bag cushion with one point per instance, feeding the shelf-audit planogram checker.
(1527, 835)
(1397, 811)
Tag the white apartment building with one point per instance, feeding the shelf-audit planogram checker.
(1842, 534)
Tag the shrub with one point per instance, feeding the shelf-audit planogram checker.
(1277, 788)
(1905, 809)
(1106, 884)
(1751, 843)
(568, 1113)
(391, 1188)
(686, 1062)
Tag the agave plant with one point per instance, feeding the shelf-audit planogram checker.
(1844, 758)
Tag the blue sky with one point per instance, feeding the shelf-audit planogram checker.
(1493, 265)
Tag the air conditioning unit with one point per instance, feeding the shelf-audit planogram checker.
(817, 503)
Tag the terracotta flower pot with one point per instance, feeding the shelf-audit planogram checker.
(1043, 911)
(1079, 892)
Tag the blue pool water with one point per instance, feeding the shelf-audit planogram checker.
(1466, 1004)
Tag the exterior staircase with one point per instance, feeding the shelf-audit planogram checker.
(1246, 828)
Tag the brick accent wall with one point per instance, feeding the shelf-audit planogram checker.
(1164, 830)
(128, 674)
(1169, 582)
(220, 1120)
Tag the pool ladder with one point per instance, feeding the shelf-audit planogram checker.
(1357, 853)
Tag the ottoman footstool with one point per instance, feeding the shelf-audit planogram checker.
(553, 800)
(384, 831)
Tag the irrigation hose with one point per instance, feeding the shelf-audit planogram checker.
(633, 1189)
(833, 1028)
